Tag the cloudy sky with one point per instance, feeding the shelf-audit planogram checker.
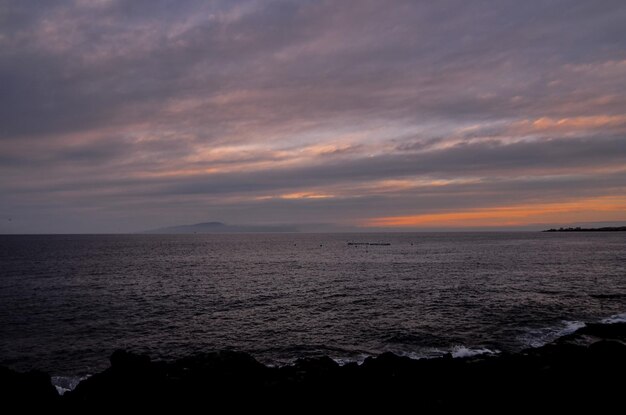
(119, 116)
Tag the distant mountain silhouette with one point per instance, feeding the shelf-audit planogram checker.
(219, 227)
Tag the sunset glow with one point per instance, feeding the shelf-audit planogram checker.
(610, 208)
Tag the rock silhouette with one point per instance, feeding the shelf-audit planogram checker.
(581, 370)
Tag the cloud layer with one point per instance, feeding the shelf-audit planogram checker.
(126, 115)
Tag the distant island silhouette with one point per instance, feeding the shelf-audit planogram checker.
(579, 229)
(219, 227)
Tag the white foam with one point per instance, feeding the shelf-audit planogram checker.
(66, 383)
(462, 351)
(571, 327)
(345, 360)
(540, 337)
(617, 318)
(459, 351)
(424, 354)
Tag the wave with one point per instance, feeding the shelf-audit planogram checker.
(457, 352)
(532, 338)
(540, 337)
(65, 384)
(616, 318)
(462, 351)
(342, 361)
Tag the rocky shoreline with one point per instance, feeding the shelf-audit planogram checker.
(584, 369)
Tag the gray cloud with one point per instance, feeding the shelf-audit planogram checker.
(490, 159)
(168, 106)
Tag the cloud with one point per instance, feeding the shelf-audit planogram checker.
(241, 103)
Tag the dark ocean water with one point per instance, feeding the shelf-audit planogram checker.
(66, 302)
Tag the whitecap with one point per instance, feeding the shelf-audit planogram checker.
(463, 351)
(342, 361)
(65, 384)
(617, 318)
(541, 337)
(458, 351)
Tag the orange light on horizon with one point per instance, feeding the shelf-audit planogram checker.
(593, 209)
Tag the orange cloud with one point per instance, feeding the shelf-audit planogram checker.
(305, 195)
(602, 208)
(296, 195)
(571, 124)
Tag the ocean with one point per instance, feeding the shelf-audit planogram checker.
(68, 301)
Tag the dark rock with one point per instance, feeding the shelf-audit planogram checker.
(610, 352)
(126, 361)
(564, 375)
(608, 331)
(316, 365)
(28, 390)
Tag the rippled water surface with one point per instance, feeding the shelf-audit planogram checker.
(66, 302)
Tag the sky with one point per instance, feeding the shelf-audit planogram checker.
(121, 116)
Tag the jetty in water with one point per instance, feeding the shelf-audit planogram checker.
(370, 243)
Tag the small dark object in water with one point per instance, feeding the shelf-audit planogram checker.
(607, 296)
(370, 243)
